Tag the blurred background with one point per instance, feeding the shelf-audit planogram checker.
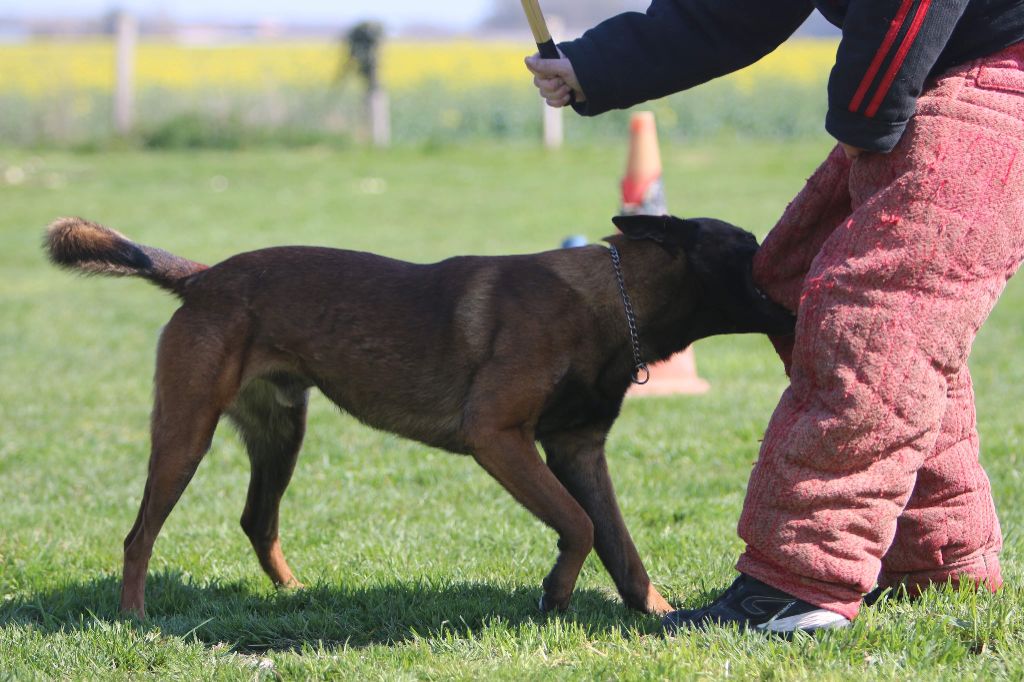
(218, 74)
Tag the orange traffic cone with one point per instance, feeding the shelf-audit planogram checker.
(642, 190)
(644, 194)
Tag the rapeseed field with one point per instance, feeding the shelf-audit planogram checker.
(45, 67)
(60, 91)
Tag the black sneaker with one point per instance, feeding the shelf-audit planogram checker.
(751, 604)
(883, 595)
(876, 595)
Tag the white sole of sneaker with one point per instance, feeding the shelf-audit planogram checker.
(819, 619)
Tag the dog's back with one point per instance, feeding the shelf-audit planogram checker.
(396, 344)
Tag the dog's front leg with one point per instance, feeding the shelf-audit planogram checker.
(577, 459)
(512, 459)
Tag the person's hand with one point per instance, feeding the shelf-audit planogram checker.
(851, 151)
(555, 79)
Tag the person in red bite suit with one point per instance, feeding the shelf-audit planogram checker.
(892, 256)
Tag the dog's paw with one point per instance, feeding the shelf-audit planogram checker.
(656, 604)
(548, 604)
(660, 609)
(132, 613)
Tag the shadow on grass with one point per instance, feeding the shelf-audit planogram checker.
(319, 615)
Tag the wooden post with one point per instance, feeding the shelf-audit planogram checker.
(379, 109)
(124, 81)
(554, 119)
(554, 129)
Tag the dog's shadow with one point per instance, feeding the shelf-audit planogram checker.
(318, 615)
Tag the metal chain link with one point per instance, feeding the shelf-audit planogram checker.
(639, 366)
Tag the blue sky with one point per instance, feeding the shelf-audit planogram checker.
(395, 13)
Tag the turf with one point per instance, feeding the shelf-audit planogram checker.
(418, 565)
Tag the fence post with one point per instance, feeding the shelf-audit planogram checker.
(554, 119)
(379, 107)
(554, 129)
(127, 33)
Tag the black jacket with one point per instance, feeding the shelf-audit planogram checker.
(888, 50)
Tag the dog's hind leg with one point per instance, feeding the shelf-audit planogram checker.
(195, 379)
(577, 458)
(271, 418)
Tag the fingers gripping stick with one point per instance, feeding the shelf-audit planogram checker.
(545, 43)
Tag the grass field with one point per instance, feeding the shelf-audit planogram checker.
(418, 565)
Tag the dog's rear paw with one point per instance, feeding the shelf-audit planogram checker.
(134, 613)
(548, 604)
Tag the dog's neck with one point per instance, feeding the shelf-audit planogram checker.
(657, 282)
(653, 279)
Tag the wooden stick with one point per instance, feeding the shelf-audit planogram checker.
(539, 27)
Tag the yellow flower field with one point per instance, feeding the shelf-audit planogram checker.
(40, 68)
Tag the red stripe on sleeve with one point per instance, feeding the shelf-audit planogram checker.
(897, 61)
(876, 63)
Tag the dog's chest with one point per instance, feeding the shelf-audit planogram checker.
(575, 404)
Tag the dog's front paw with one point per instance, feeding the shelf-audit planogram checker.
(646, 600)
(655, 603)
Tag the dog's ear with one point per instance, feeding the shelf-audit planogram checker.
(671, 232)
(653, 227)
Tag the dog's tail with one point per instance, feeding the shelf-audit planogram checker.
(86, 247)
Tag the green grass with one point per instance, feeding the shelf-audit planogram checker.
(430, 114)
(419, 566)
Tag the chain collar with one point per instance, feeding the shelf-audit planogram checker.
(640, 374)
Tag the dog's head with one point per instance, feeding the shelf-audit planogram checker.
(720, 258)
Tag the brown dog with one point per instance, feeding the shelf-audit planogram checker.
(477, 355)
